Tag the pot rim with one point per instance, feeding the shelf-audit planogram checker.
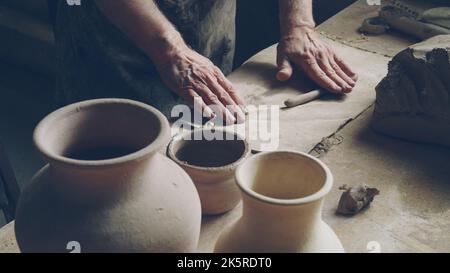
(52, 157)
(322, 192)
(229, 167)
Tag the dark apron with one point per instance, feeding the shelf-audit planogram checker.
(95, 59)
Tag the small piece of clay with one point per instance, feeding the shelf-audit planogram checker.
(374, 26)
(354, 199)
(413, 100)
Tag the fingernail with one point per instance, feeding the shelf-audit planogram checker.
(236, 112)
(240, 117)
(208, 113)
(229, 118)
(348, 89)
(244, 109)
(282, 76)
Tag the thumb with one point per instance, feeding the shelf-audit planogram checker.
(284, 69)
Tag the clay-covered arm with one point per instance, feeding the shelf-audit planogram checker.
(183, 70)
(302, 47)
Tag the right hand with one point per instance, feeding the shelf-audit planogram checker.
(200, 82)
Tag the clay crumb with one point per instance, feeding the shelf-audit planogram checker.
(326, 145)
(354, 199)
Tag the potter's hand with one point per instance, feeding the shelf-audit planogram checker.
(303, 48)
(186, 72)
(200, 82)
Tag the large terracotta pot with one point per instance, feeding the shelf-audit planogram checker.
(106, 187)
(282, 200)
(211, 163)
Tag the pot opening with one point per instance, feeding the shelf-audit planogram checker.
(209, 153)
(100, 153)
(98, 130)
(284, 176)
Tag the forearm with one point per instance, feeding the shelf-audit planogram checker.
(295, 14)
(186, 72)
(144, 24)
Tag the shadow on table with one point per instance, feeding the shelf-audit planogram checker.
(421, 171)
(265, 75)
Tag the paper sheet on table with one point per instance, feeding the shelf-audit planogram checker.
(302, 127)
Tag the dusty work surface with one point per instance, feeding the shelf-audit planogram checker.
(412, 212)
(403, 218)
(344, 28)
(8, 240)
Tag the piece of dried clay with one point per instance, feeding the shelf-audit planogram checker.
(413, 100)
(374, 26)
(354, 199)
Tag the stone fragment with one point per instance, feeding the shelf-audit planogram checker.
(354, 199)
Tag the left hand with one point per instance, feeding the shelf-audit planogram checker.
(303, 48)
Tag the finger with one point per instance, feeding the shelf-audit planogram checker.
(347, 70)
(341, 73)
(285, 70)
(314, 71)
(331, 73)
(199, 105)
(225, 98)
(212, 99)
(229, 87)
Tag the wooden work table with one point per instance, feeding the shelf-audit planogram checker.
(412, 212)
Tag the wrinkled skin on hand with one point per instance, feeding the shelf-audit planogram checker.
(304, 49)
(196, 79)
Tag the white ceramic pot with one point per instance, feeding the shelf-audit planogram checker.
(282, 200)
(106, 187)
(211, 162)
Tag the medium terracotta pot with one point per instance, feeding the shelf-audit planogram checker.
(282, 200)
(106, 187)
(211, 163)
